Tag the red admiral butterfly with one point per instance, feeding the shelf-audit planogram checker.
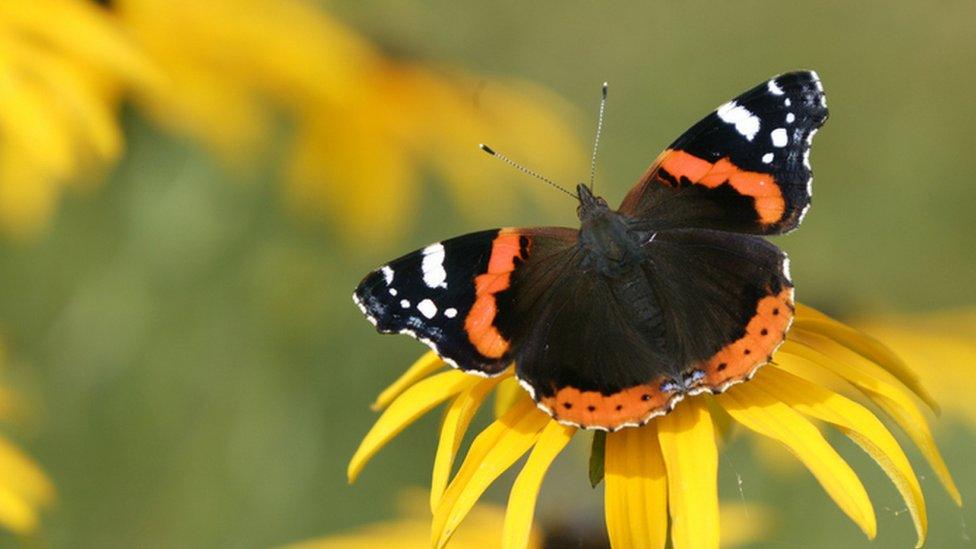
(674, 293)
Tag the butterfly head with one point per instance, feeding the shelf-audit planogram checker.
(590, 206)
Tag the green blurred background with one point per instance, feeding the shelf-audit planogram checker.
(199, 377)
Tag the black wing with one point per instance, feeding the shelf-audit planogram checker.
(744, 167)
(445, 294)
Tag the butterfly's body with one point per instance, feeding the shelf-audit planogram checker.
(612, 247)
(676, 292)
(609, 244)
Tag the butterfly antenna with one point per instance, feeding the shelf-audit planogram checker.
(523, 169)
(599, 130)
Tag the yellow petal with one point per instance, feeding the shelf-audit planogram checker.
(455, 425)
(868, 347)
(491, 454)
(760, 412)
(423, 367)
(687, 437)
(85, 31)
(72, 91)
(508, 393)
(413, 403)
(860, 425)
(521, 500)
(946, 338)
(15, 513)
(816, 352)
(22, 476)
(41, 135)
(636, 497)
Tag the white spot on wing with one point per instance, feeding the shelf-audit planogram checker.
(405, 303)
(393, 291)
(744, 121)
(433, 266)
(387, 274)
(790, 117)
(774, 88)
(787, 102)
(427, 308)
(450, 312)
(779, 137)
(767, 158)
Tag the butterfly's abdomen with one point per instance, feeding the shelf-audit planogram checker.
(634, 294)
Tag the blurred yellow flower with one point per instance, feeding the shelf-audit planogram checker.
(412, 530)
(945, 342)
(61, 65)
(661, 475)
(483, 528)
(24, 488)
(367, 128)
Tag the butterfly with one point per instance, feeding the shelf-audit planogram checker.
(674, 293)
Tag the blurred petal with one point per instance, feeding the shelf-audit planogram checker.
(946, 338)
(745, 524)
(30, 124)
(23, 489)
(85, 31)
(687, 437)
(879, 385)
(760, 412)
(421, 368)
(15, 513)
(22, 476)
(521, 500)
(636, 497)
(455, 425)
(413, 403)
(482, 528)
(491, 454)
(860, 425)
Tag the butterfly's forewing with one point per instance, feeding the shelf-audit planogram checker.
(447, 294)
(744, 167)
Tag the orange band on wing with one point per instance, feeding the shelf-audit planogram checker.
(762, 187)
(765, 331)
(594, 409)
(479, 323)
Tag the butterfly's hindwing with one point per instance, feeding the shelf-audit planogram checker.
(728, 299)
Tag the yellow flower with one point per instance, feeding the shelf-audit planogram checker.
(366, 126)
(945, 342)
(661, 475)
(24, 488)
(61, 65)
